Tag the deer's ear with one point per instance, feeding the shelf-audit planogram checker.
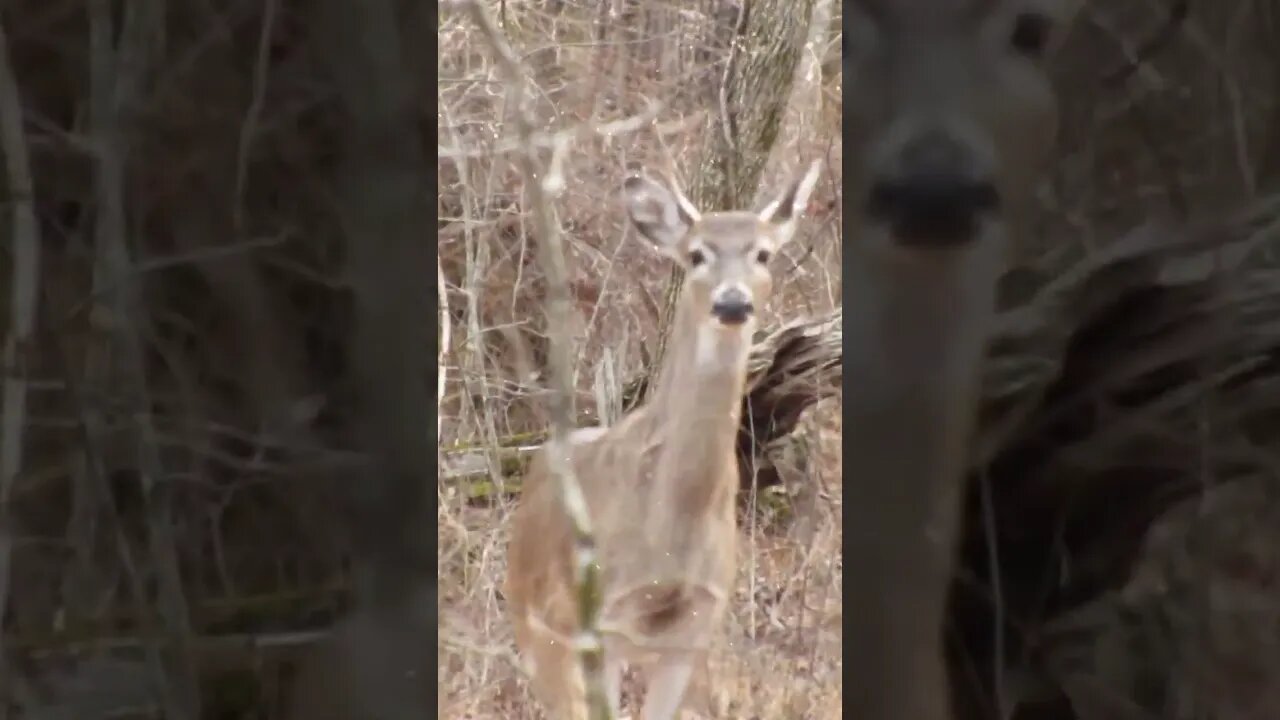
(663, 216)
(784, 212)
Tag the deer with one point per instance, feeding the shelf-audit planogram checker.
(951, 122)
(660, 484)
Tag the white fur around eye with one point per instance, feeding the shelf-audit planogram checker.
(701, 272)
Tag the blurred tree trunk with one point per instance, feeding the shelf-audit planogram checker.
(212, 210)
(745, 118)
(23, 286)
(378, 665)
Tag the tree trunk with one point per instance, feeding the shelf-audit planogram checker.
(23, 239)
(379, 662)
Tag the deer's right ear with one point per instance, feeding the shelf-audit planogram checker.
(784, 212)
(658, 213)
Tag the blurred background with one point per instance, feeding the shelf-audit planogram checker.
(219, 319)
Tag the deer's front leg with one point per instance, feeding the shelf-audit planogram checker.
(667, 681)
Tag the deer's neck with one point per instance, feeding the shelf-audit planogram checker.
(695, 412)
(916, 335)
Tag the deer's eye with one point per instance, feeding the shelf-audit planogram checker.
(1030, 33)
(762, 256)
(696, 258)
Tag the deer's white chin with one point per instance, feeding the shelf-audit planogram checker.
(721, 346)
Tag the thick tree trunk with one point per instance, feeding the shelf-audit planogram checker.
(379, 663)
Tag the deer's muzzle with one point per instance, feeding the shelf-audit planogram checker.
(732, 306)
(934, 193)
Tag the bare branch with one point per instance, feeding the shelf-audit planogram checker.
(561, 138)
(541, 184)
(116, 78)
(446, 328)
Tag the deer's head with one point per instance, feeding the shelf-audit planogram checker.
(725, 254)
(951, 117)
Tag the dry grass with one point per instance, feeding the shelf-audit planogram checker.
(780, 652)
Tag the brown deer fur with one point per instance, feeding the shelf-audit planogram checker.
(952, 96)
(660, 484)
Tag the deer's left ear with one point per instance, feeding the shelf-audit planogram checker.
(785, 211)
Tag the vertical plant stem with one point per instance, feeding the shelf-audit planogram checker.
(540, 182)
(442, 352)
(117, 75)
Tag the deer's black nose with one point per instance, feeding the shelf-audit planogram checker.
(934, 194)
(732, 307)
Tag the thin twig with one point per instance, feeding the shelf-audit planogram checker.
(997, 597)
(558, 139)
(117, 74)
(446, 329)
(135, 272)
(1151, 46)
(541, 185)
(249, 127)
